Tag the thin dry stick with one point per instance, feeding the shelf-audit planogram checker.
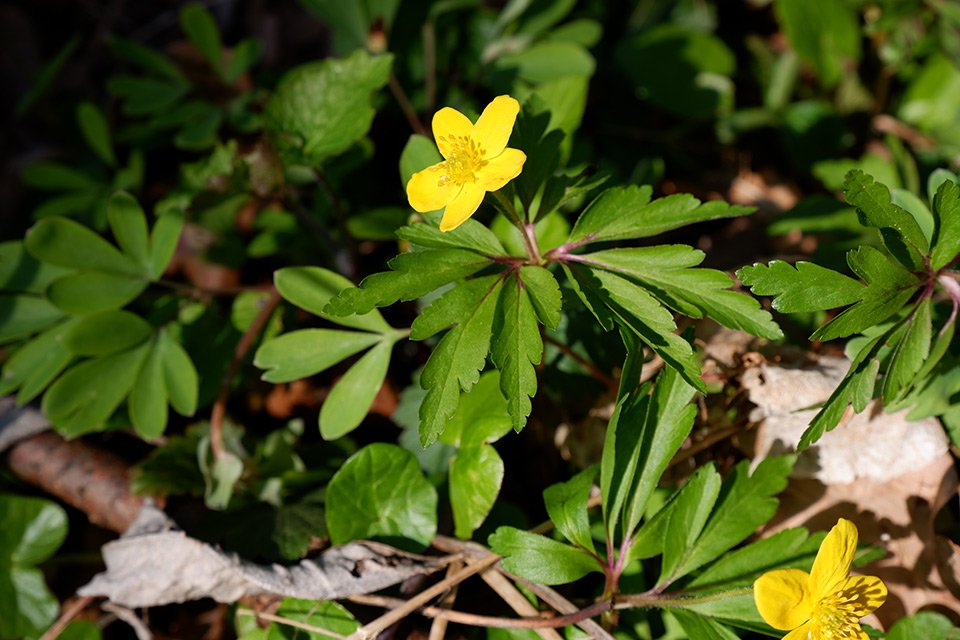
(476, 620)
(269, 617)
(562, 605)
(512, 596)
(68, 614)
(409, 606)
(438, 630)
(408, 111)
(430, 63)
(219, 410)
(594, 371)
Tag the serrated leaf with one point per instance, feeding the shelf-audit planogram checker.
(413, 275)
(163, 242)
(481, 416)
(83, 398)
(889, 287)
(946, 213)
(179, 375)
(746, 502)
(640, 312)
(516, 348)
(544, 293)
(303, 353)
(24, 315)
(35, 364)
(666, 271)
(910, 353)
(587, 289)
(320, 109)
(380, 492)
(104, 333)
(688, 516)
(901, 233)
(455, 364)
(801, 287)
(94, 291)
(93, 126)
(476, 474)
(566, 504)
(701, 628)
(624, 213)
(129, 226)
(470, 235)
(540, 559)
(148, 398)
(350, 398)
(312, 288)
(740, 567)
(451, 307)
(66, 243)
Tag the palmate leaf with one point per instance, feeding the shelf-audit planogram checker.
(804, 286)
(667, 272)
(470, 235)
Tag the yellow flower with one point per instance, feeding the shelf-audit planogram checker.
(476, 160)
(827, 603)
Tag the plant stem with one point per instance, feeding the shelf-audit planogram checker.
(527, 230)
(594, 371)
(652, 599)
(430, 64)
(405, 105)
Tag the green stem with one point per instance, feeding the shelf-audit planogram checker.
(672, 600)
(527, 231)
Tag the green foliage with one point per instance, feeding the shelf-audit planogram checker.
(32, 531)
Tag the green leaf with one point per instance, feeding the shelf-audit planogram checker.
(702, 628)
(928, 625)
(172, 468)
(742, 566)
(804, 286)
(516, 348)
(66, 243)
(148, 398)
(202, 30)
(544, 293)
(35, 364)
(746, 502)
(27, 608)
(163, 242)
(321, 108)
(910, 353)
(455, 364)
(413, 275)
(540, 559)
(83, 398)
(144, 96)
(24, 315)
(665, 271)
(825, 35)
(476, 474)
(548, 60)
(901, 233)
(451, 307)
(471, 235)
(179, 375)
(81, 630)
(640, 312)
(21, 272)
(312, 288)
(146, 58)
(129, 226)
(350, 398)
(481, 417)
(96, 131)
(94, 291)
(33, 529)
(52, 176)
(104, 333)
(220, 476)
(419, 153)
(566, 504)
(379, 492)
(324, 614)
(687, 518)
(625, 213)
(303, 353)
(946, 212)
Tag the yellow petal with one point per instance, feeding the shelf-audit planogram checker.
(501, 169)
(834, 558)
(495, 125)
(861, 595)
(462, 207)
(449, 124)
(782, 598)
(803, 633)
(427, 190)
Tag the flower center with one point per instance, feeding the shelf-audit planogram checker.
(464, 160)
(836, 621)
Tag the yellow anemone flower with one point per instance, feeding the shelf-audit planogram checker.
(476, 160)
(827, 603)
